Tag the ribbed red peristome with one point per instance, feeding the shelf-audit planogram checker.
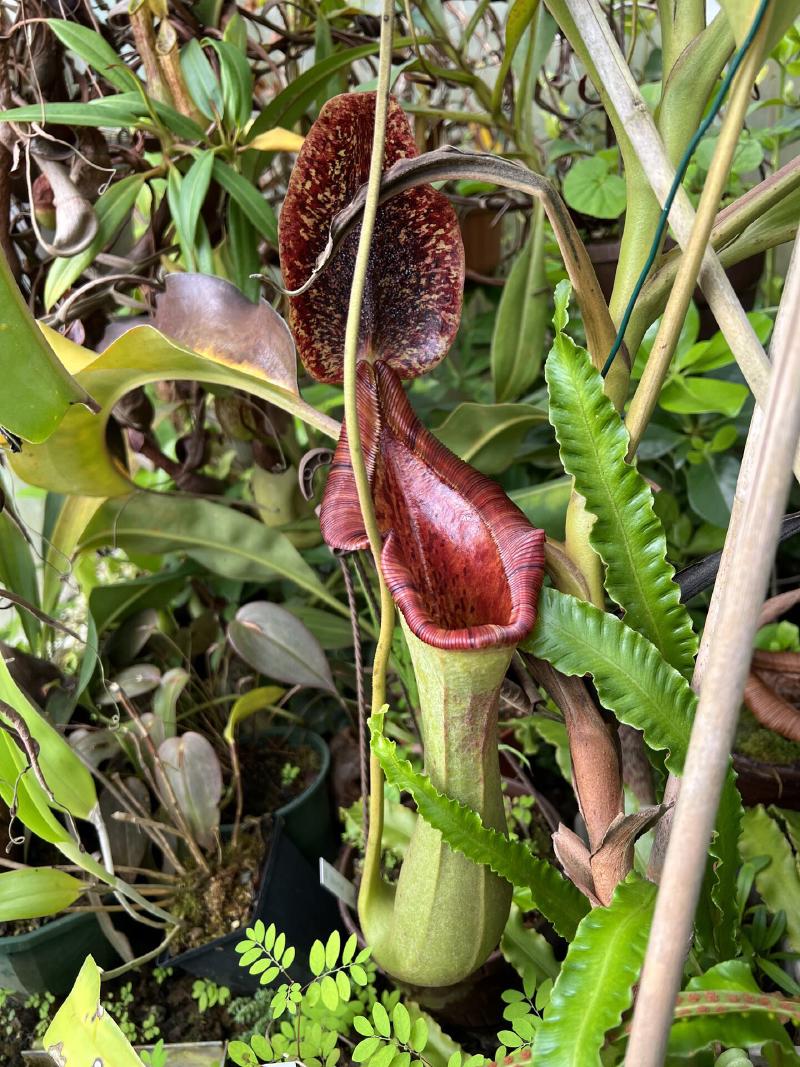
(415, 281)
(462, 562)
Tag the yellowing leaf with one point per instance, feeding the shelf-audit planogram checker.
(277, 140)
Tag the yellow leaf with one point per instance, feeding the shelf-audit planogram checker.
(277, 140)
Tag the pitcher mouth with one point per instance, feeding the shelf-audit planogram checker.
(462, 562)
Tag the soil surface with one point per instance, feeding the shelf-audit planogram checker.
(265, 785)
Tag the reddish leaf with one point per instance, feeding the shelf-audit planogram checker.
(412, 299)
(462, 562)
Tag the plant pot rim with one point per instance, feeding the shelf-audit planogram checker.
(320, 746)
(27, 939)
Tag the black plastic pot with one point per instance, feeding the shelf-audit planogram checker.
(290, 896)
(48, 959)
(307, 818)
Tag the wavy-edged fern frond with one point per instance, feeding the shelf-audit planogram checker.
(461, 827)
(641, 689)
(627, 535)
(597, 977)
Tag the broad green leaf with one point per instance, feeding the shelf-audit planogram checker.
(110, 604)
(546, 505)
(18, 574)
(94, 50)
(778, 884)
(627, 534)
(73, 518)
(487, 436)
(112, 209)
(255, 207)
(691, 1034)
(83, 1034)
(596, 978)
(37, 390)
(68, 779)
(121, 110)
(521, 323)
(697, 396)
(520, 15)
(331, 631)
(741, 15)
(748, 156)
(276, 643)
(259, 699)
(556, 898)
(36, 892)
(77, 461)
(711, 486)
(593, 189)
(223, 540)
(200, 79)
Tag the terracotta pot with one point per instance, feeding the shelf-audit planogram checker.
(481, 232)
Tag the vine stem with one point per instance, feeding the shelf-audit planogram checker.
(747, 559)
(658, 363)
(372, 857)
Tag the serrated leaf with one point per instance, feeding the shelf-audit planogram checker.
(599, 972)
(557, 899)
(627, 534)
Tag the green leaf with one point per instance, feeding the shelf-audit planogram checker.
(711, 486)
(487, 436)
(249, 199)
(419, 1035)
(254, 700)
(332, 947)
(195, 188)
(520, 15)
(96, 51)
(37, 389)
(363, 1026)
(545, 505)
(778, 883)
(627, 534)
(76, 461)
(329, 992)
(18, 573)
(699, 396)
(349, 951)
(381, 1020)
(81, 1033)
(223, 540)
(521, 323)
(557, 899)
(200, 79)
(592, 187)
(36, 892)
(274, 642)
(112, 209)
(526, 949)
(601, 967)
(237, 83)
(316, 958)
(401, 1021)
(121, 110)
(366, 1048)
(242, 251)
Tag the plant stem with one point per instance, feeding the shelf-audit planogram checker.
(371, 879)
(649, 389)
(770, 449)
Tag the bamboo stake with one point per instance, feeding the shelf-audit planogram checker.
(619, 84)
(747, 559)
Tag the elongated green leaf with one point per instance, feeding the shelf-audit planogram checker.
(112, 209)
(195, 187)
(249, 199)
(237, 83)
(200, 79)
(77, 460)
(520, 15)
(487, 436)
(37, 389)
(94, 50)
(18, 574)
(643, 690)
(82, 1034)
(778, 884)
(519, 330)
(242, 251)
(112, 111)
(627, 534)
(546, 505)
(36, 892)
(595, 984)
(220, 538)
(556, 898)
(527, 950)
